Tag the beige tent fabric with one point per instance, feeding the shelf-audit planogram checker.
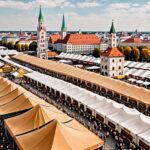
(7, 90)
(57, 136)
(19, 104)
(132, 91)
(4, 85)
(28, 121)
(10, 96)
(34, 118)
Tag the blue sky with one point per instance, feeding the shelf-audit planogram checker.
(80, 14)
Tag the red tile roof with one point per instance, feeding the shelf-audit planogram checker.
(133, 40)
(80, 39)
(54, 38)
(112, 52)
(52, 54)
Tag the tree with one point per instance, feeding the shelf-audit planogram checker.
(96, 52)
(11, 45)
(18, 47)
(146, 54)
(4, 43)
(127, 52)
(23, 47)
(135, 54)
(33, 46)
(0, 43)
(26, 47)
(121, 49)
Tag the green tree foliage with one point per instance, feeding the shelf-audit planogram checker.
(127, 53)
(33, 46)
(96, 52)
(18, 47)
(4, 43)
(135, 54)
(11, 45)
(22, 47)
(26, 47)
(0, 43)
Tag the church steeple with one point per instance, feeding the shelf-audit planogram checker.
(63, 27)
(112, 36)
(112, 29)
(41, 18)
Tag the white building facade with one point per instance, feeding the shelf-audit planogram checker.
(112, 60)
(74, 43)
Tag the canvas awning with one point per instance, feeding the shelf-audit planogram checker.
(58, 136)
(33, 119)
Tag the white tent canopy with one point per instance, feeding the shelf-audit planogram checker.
(136, 125)
(123, 114)
(109, 110)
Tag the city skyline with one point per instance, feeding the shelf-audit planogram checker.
(87, 15)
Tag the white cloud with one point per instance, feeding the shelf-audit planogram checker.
(87, 4)
(46, 3)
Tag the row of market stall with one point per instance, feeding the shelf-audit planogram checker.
(85, 58)
(137, 69)
(31, 123)
(125, 92)
(78, 57)
(128, 122)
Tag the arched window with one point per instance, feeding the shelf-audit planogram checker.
(113, 60)
(105, 67)
(113, 68)
(119, 67)
(106, 73)
(119, 60)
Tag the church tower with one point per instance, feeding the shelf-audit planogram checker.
(42, 41)
(112, 60)
(63, 28)
(112, 36)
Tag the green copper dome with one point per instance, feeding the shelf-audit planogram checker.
(63, 27)
(112, 29)
(41, 19)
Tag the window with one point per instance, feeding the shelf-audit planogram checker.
(119, 67)
(113, 60)
(113, 68)
(105, 67)
(114, 45)
(119, 60)
(106, 73)
(102, 67)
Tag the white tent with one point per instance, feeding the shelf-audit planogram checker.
(100, 104)
(123, 114)
(144, 137)
(135, 125)
(110, 108)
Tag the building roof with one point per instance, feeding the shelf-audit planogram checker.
(63, 27)
(112, 52)
(54, 38)
(52, 54)
(112, 29)
(133, 40)
(40, 19)
(76, 39)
